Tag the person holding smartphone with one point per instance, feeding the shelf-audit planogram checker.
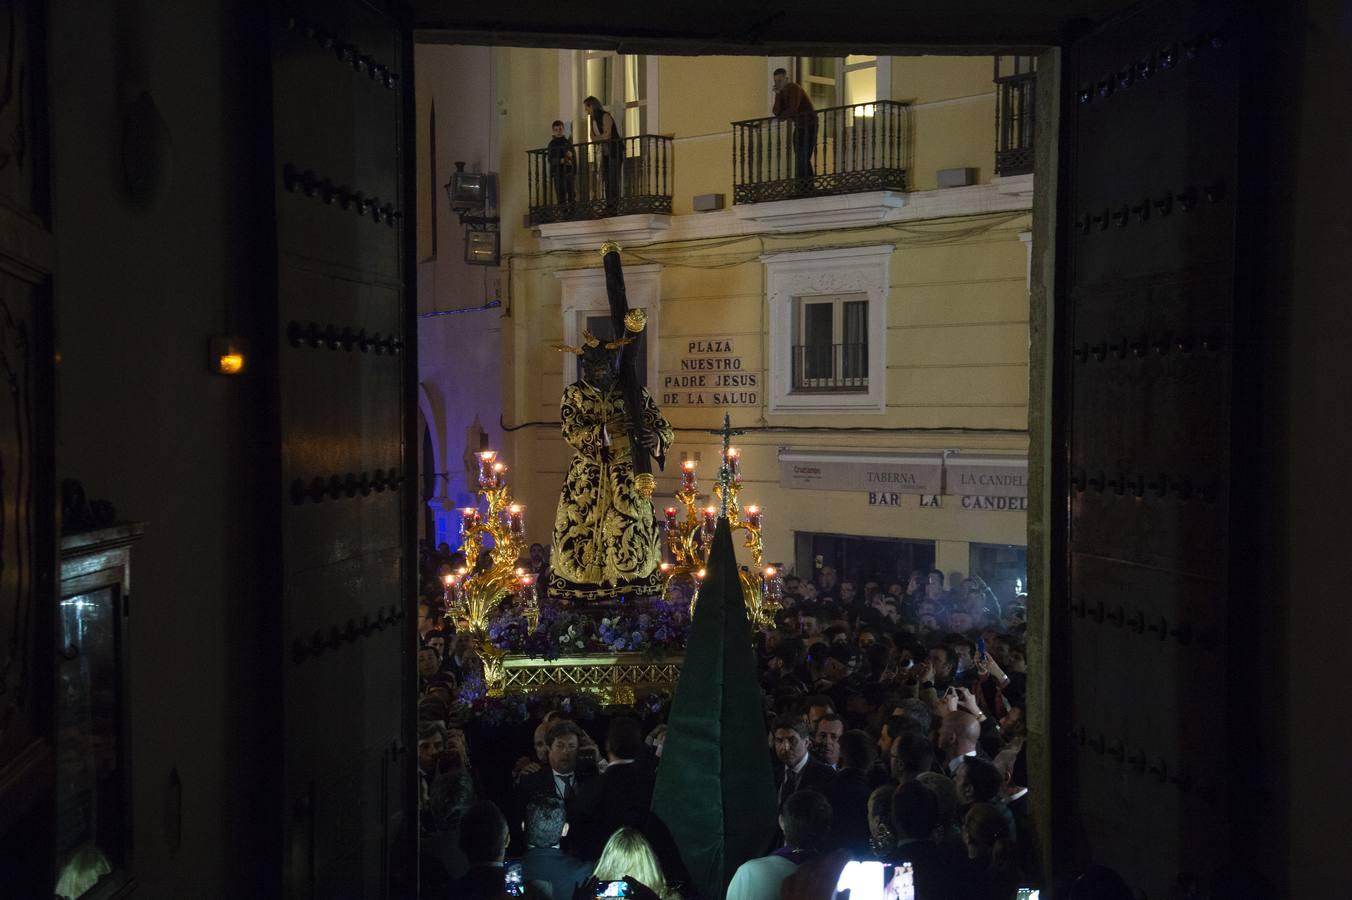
(628, 867)
(483, 838)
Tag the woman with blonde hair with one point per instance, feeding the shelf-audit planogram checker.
(629, 855)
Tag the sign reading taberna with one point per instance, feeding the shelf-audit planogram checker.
(879, 473)
(987, 477)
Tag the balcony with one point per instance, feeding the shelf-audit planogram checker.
(840, 150)
(599, 180)
(1014, 100)
(829, 368)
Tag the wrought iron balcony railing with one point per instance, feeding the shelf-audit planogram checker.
(1014, 99)
(572, 182)
(837, 368)
(841, 150)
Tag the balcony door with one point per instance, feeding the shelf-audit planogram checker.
(623, 82)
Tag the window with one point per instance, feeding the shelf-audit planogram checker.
(620, 82)
(1004, 570)
(834, 81)
(859, 75)
(828, 327)
(830, 344)
(817, 77)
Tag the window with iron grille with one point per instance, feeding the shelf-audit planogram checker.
(830, 346)
(828, 329)
(1016, 87)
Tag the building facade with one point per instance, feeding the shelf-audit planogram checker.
(863, 320)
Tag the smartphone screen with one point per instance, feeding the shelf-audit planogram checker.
(864, 879)
(513, 880)
(612, 889)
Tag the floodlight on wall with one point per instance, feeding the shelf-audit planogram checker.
(472, 197)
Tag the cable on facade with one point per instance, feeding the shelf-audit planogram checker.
(928, 232)
(750, 429)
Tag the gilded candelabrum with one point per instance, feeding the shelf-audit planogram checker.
(688, 538)
(474, 593)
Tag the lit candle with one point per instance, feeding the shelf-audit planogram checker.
(699, 576)
(469, 517)
(486, 458)
(688, 475)
(499, 474)
(774, 588)
(671, 516)
(516, 519)
(664, 568)
(734, 462)
(753, 516)
(710, 521)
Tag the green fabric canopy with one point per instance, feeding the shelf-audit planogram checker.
(715, 788)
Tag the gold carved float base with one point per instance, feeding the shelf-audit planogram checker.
(615, 678)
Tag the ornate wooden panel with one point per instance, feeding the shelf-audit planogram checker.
(28, 521)
(1147, 305)
(344, 376)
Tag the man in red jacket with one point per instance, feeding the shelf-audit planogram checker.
(792, 103)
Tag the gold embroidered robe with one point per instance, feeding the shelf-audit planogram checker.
(606, 537)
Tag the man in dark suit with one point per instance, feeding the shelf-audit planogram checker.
(849, 794)
(561, 777)
(938, 875)
(796, 770)
(546, 869)
(483, 837)
(620, 796)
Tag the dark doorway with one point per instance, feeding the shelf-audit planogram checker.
(1004, 568)
(861, 559)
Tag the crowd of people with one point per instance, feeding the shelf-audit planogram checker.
(895, 720)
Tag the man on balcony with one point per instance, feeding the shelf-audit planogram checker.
(792, 103)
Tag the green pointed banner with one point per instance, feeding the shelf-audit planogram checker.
(715, 788)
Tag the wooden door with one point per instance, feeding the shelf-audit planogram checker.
(341, 79)
(28, 522)
(1146, 312)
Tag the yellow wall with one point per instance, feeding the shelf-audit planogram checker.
(927, 79)
(960, 134)
(957, 357)
(702, 94)
(957, 318)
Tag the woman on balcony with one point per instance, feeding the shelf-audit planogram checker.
(606, 134)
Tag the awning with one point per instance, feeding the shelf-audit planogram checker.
(986, 476)
(836, 470)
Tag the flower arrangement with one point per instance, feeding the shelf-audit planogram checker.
(650, 625)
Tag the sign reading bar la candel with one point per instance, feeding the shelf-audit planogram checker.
(893, 473)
